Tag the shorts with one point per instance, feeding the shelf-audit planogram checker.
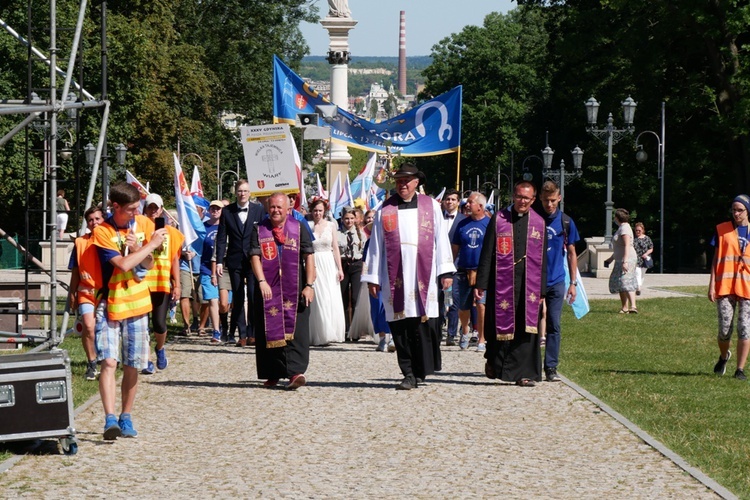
(466, 292)
(224, 282)
(208, 290)
(186, 285)
(85, 308)
(126, 341)
(86, 298)
(61, 221)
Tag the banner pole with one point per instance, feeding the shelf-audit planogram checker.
(458, 166)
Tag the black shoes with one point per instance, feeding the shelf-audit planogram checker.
(552, 375)
(408, 383)
(720, 368)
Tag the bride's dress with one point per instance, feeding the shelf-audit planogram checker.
(327, 309)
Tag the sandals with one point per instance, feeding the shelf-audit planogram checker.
(633, 311)
(526, 382)
(624, 311)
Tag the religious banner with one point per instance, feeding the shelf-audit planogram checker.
(269, 156)
(431, 128)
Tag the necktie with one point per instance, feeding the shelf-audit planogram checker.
(349, 245)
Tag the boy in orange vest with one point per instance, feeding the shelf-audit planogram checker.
(125, 242)
(85, 286)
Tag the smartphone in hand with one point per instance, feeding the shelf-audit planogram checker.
(159, 222)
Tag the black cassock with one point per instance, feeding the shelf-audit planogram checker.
(512, 360)
(292, 359)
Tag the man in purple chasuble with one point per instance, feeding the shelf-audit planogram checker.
(409, 258)
(282, 260)
(513, 270)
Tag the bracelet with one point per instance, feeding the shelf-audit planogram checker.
(261, 281)
(574, 283)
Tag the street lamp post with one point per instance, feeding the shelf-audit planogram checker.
(611, 136)
(642, 156)
(527, 175)
(563, 177)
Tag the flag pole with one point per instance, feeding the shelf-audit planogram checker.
(458, 165)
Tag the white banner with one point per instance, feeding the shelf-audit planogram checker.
(269, 156)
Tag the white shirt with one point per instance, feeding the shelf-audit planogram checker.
(376, 269)
(243, 215)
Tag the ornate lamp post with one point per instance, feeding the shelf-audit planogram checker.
(642, 156)
(611, 136)
(561, 176)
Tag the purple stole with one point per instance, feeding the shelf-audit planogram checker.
(425, 250)
(505, 324)
(284, 284)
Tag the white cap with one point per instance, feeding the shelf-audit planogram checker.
(155, 199)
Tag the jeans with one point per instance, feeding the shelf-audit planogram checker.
(453, 313)
(554, 300)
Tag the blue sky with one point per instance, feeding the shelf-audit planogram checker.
(427, 22)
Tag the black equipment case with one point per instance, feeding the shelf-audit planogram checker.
(36, 398)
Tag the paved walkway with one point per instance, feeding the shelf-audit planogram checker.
(209, 429)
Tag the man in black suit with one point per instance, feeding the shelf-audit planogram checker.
(452, 215)
(233, 251)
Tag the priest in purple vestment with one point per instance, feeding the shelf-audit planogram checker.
(282, 305)
(513, 270)
(409, 258)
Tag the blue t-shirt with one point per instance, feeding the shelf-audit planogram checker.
(469, 236)
(741, 235)
(208, 247)
(555, 246)
(196, 247)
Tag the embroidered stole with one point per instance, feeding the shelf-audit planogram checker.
(425, 251)
(505, 324)
(281, 270)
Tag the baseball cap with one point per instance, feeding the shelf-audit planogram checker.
(216, 203)
(155, 199)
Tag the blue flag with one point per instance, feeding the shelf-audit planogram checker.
(431, 128)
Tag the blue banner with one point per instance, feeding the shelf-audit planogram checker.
(432, 128)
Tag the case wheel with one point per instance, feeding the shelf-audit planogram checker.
(69, 445)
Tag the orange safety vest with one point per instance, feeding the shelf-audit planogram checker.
(89, 267)
(158, 277)
(732, 266)
(128, 297)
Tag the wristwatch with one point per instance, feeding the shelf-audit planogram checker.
(574, 283)
(311, 285)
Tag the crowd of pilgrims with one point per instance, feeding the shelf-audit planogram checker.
(343, 310)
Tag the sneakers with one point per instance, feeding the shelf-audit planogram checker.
(391, 346)
(381, 345)
(481, 347)
(91, 371)
(296, 381)
(111, 428)
(464, 342)
(161, 359)
(740, 374)
(126, 426)
(216, 339)
(552, 375)
(720, 368)
(450, 341)
(149, 370)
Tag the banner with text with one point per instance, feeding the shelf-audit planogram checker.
(269, 156)
(431, 128)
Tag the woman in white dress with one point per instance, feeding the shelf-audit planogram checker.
(327, 310)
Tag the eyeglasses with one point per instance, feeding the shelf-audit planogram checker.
(523, 198)
(738, 210)
(243, 191)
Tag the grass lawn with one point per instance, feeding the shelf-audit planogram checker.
(656, 368)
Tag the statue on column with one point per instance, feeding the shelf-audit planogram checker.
(339, 8)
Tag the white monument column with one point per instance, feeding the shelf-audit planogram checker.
(338, 23)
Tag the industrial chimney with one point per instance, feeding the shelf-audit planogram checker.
(402, 54)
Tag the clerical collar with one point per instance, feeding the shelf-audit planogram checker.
(402, 205)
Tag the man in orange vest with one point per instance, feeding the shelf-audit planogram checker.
(163, 280)
(729, 286)
(125, 242)
(85, 286)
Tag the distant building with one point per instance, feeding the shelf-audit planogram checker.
(231, 121)
(370, 71)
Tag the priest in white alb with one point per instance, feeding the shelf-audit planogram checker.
(409, 258)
